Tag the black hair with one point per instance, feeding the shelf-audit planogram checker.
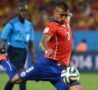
(62, 5)
(22, 4)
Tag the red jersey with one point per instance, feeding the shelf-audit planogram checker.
(60, 42)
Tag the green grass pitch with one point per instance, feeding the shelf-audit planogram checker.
(89, 81)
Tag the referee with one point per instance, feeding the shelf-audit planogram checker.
(20, 34)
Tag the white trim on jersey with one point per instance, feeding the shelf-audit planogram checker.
(46, 30)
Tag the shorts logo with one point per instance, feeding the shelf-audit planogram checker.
(29, 69)
(23, 74)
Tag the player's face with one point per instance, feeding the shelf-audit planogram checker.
(22, 12)
(61, 15)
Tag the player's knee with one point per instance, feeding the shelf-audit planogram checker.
(16, 79)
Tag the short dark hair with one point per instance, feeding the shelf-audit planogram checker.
(62, 5)
(22, 4)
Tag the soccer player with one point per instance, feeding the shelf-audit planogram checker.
(19, 32)
(57, 45)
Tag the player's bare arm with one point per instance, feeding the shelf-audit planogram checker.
(3, 42)
(43, 44)
(31, 48)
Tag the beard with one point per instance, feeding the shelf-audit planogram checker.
(61, 22)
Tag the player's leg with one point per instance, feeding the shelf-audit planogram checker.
(12, 71)
(22, 86)
(18, 60)
(9, 68)
(76, 86)
(51, 71)
(9, 85)
(44, 70)
(16, 79)
(59, 85)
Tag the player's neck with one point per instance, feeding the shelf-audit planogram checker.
(21, 19)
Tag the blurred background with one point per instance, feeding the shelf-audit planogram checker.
(84, 24)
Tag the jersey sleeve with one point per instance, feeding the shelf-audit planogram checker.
(50, 29)
(6, 31)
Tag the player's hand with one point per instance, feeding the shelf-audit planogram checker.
(50, 52)
(3, 55)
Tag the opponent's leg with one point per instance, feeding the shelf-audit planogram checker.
(9, 68)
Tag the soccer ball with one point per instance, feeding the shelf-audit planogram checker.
(70, 74)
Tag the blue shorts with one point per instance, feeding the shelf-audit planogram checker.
(45, 70)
